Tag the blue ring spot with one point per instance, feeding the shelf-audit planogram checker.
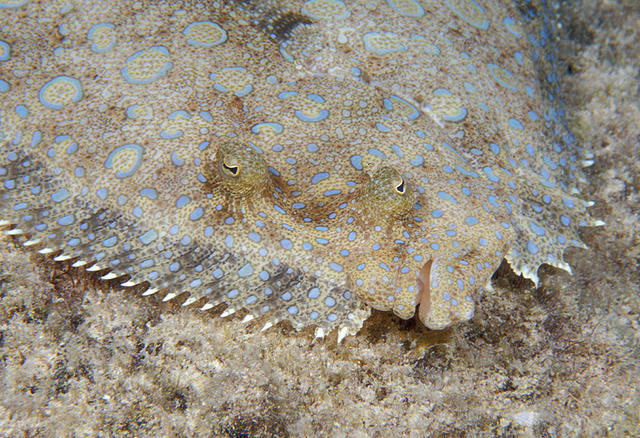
(322, 114)
(77, 91)
(95, 28)
(138, 158)
(163, 71)
(187, 30)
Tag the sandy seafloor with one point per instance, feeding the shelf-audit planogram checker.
(80, 359)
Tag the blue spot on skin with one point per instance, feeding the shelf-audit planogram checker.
(245, 271)
(196, 214)
(536, 228)
(565, 221)
(228, 240)
(21, 111)
(314, 293)
(182, 201)
(322, 241)
(489, 172)
(149, 193)
(319, 177)
(329, 302)
(470, 220)
(447, 197)
(533, 249)
(111, 241)
(336, 267)
(377, 153)
(66, 220)
(286, 244)
(254, 237)
(149, 236)
(515, 124)
(436, 213)
(60, 195)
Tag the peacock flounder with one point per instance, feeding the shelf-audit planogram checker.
(298, 159)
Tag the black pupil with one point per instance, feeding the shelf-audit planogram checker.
(232, 169)
(400, 188)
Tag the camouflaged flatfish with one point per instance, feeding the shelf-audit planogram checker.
(297, 159)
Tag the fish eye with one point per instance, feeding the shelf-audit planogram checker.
(233, 170)
(241, 170)
(387, 193)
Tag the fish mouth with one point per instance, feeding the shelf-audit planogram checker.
(423, 298)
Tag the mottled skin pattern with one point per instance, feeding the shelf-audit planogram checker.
(300, 160)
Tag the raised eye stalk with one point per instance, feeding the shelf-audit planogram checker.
(388, 193)
(241, 169)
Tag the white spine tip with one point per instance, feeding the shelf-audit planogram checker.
(320, 333)
(32, 242)
(62, 258)
(227, 312)
(598, 223)
(342, 333)
(128, 283)
(169, 296)
(248, 318)
(267, 326)
(14, 232)
(109, 276)
(150, 291)
(94, 268)
(587, 163)
(207, 306)
(79, 264)
(189, 301)
(46, 251)
(4, 223)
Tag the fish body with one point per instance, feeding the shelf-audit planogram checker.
(302, 160)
